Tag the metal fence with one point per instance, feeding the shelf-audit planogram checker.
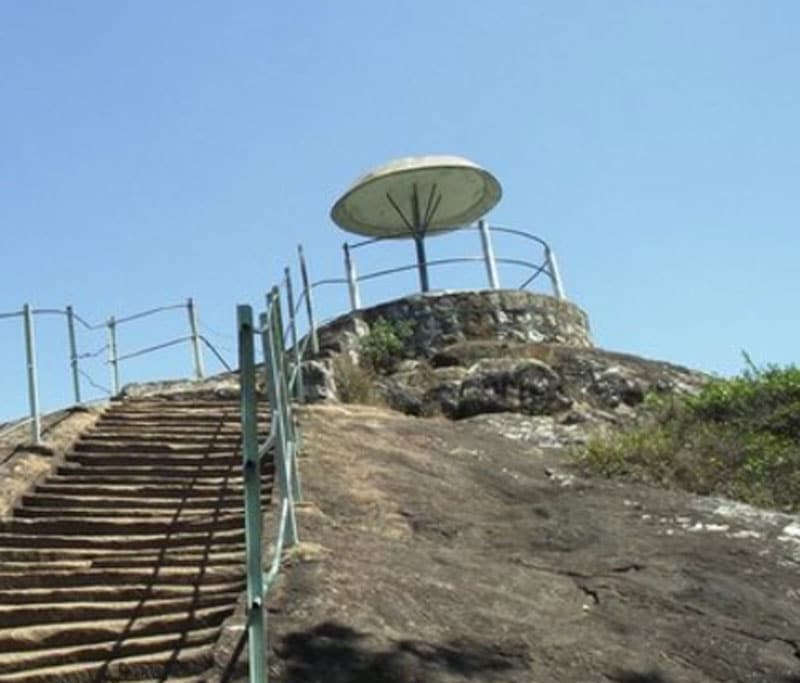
(283, 380)
(541, 264)
(110, 328)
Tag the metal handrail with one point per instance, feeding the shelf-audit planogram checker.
(548, 267)
(283, 442)
(114, 358)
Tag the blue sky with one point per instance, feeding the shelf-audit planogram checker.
(151, 151)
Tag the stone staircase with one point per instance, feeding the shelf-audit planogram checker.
(124, 563)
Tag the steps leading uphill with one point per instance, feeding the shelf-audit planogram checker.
(124, 563)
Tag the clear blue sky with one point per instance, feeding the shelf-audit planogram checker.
(151, 151)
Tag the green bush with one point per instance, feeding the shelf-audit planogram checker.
(385, 345)
(737, 437)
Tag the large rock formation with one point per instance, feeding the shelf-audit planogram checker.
(475, 353)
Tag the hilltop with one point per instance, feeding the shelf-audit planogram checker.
(452, 531)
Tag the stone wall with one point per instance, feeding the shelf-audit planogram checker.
(440, 319)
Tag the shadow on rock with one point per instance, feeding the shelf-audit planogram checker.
(337, 654)
(636, 677)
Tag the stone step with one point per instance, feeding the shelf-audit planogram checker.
(143, 542)
(92, 631)
(159, 444)
(119, 474)
(110, 490)
(115, 593)
(108, 650)
(160, 449)
(224, 498)
(134, 575)
(184, 436)
(114, 513)
(124, 563)
(161, 513)
(207, 559)
(125, 431)
(183, 407)
(159, 666)
(45, 555)
(148, 477)
(65, 612)
(119, 526)
(175, 417)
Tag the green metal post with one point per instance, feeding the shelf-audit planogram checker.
(299, 386)
(112, 355)
(73, 355)
(197, 353)
(312, 325)
(291, 431)
(256, 616)
(278, 405)
(33, 389)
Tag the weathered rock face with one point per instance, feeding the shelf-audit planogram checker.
(438, 320)
(573, 384)
(509, 352)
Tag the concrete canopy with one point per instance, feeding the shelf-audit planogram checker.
(414, 196)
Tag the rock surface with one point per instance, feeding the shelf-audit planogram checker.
(450, 551)
(474, 353)
(474, 378)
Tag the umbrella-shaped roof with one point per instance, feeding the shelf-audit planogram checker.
(414, 196)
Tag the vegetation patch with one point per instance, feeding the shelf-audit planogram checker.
(354, 383)
(737, 437)
(385, 345)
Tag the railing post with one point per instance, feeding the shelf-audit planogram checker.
(299, 387)
(488, 254)
(278, 405)
(276, 348)
(422, 262)
(552, 269)
(256, 617)
(312, 326)
(73, 355)
(352, 278)
(112, 355)
(33, 390)
(197, 353)
(286, 406)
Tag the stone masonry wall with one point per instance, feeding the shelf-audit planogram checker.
(443, 318)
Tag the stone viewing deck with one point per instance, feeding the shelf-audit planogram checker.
(439, 319)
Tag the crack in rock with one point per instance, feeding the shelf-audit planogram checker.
(593, 594)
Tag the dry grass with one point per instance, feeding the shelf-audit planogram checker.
(23, 465)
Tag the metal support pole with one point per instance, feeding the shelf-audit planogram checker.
(299, 387)
(488, 254)
(197, 353)
(33, 390)
(73, 355)
(312, 325)
(552, 269)
(278, 404)
(352, 278)
(286, 407)
(422, 264)
(112, 355)
(256, 613)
